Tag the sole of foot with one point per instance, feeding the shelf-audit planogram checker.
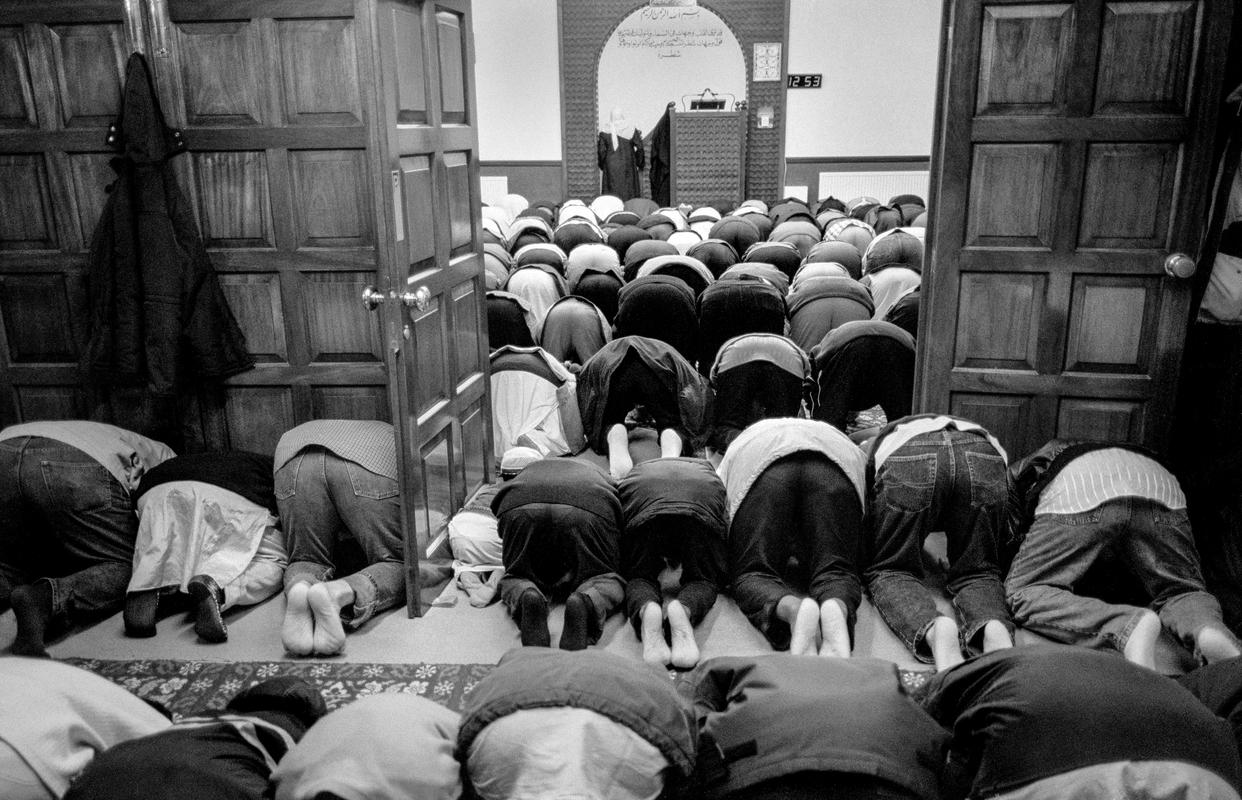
(298, 631)
(806, 625)
(329, 637)
(685, 651)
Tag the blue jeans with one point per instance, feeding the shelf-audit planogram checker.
(948, 480)
(1156, 545)
(324, 501)
(64, 519)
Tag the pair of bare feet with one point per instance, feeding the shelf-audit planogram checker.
(684, 652)
(620, 462)
(1214, 642)
(943, 639)
(814, 627)
(312, 623)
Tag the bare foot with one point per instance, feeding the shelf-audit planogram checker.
(942, 638)
(1216, 644)
(326, 601)
(670, 443)
(298, 631)
(619, 460)
(685, 648)
(833, 628)
(804, 628)
(996, 636)
(655, 649)
(1141, 646)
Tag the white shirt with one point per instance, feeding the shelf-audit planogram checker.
(564, 753)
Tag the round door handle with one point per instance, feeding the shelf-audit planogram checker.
(419, 299)
(1179, 265)
(372, 298)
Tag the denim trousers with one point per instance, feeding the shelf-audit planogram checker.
(64, 519)
(797, 532)
(557, 549)
(948, 480)
(681, 539)
(326, 501)
(1153, 542)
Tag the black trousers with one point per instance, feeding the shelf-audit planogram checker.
(798, 531)
(867, 371)
(558, 549)
(633, 384)
(681, 539)
(748, 393)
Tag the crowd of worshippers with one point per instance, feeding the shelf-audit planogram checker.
(757, 492)
(1044, 722)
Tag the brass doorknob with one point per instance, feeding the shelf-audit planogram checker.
(1179, 265)
(372, 298)
(419, 299)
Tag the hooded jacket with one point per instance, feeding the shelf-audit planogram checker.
(158, 314)
(634, 695)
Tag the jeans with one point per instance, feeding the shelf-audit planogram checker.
(699, 549)
(800, 525)
(557, 549)
(1154, 542)
(947, 480)
(326, 501)
(64, 519)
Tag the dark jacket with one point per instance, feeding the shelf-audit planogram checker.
(240, 472)
(770, 716)
(1023, 714)
(158, 315)
(635, 695)
(694, 396)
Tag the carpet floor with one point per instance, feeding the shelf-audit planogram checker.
(190, 687)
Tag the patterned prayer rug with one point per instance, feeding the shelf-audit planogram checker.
(189, 687)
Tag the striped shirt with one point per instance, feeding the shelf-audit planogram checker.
(370, 444)
(1096, 477)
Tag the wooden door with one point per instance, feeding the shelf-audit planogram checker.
(272, 95)
(426, 137)
(1072, 157)
(61, 70)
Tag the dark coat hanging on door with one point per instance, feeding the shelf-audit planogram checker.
(159, 319)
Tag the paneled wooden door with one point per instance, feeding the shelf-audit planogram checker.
(61, 70)
(428, 146)
(273, 96)
(1072, 158)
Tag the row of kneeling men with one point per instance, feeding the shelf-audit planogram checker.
(1033, 723)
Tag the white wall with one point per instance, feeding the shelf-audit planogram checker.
(517, 80)
(878, 59)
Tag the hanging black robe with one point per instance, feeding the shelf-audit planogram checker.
(620, 165)
(160, 323)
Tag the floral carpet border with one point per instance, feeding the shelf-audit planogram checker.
(189, 687)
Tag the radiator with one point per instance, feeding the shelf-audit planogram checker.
(880, 185)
